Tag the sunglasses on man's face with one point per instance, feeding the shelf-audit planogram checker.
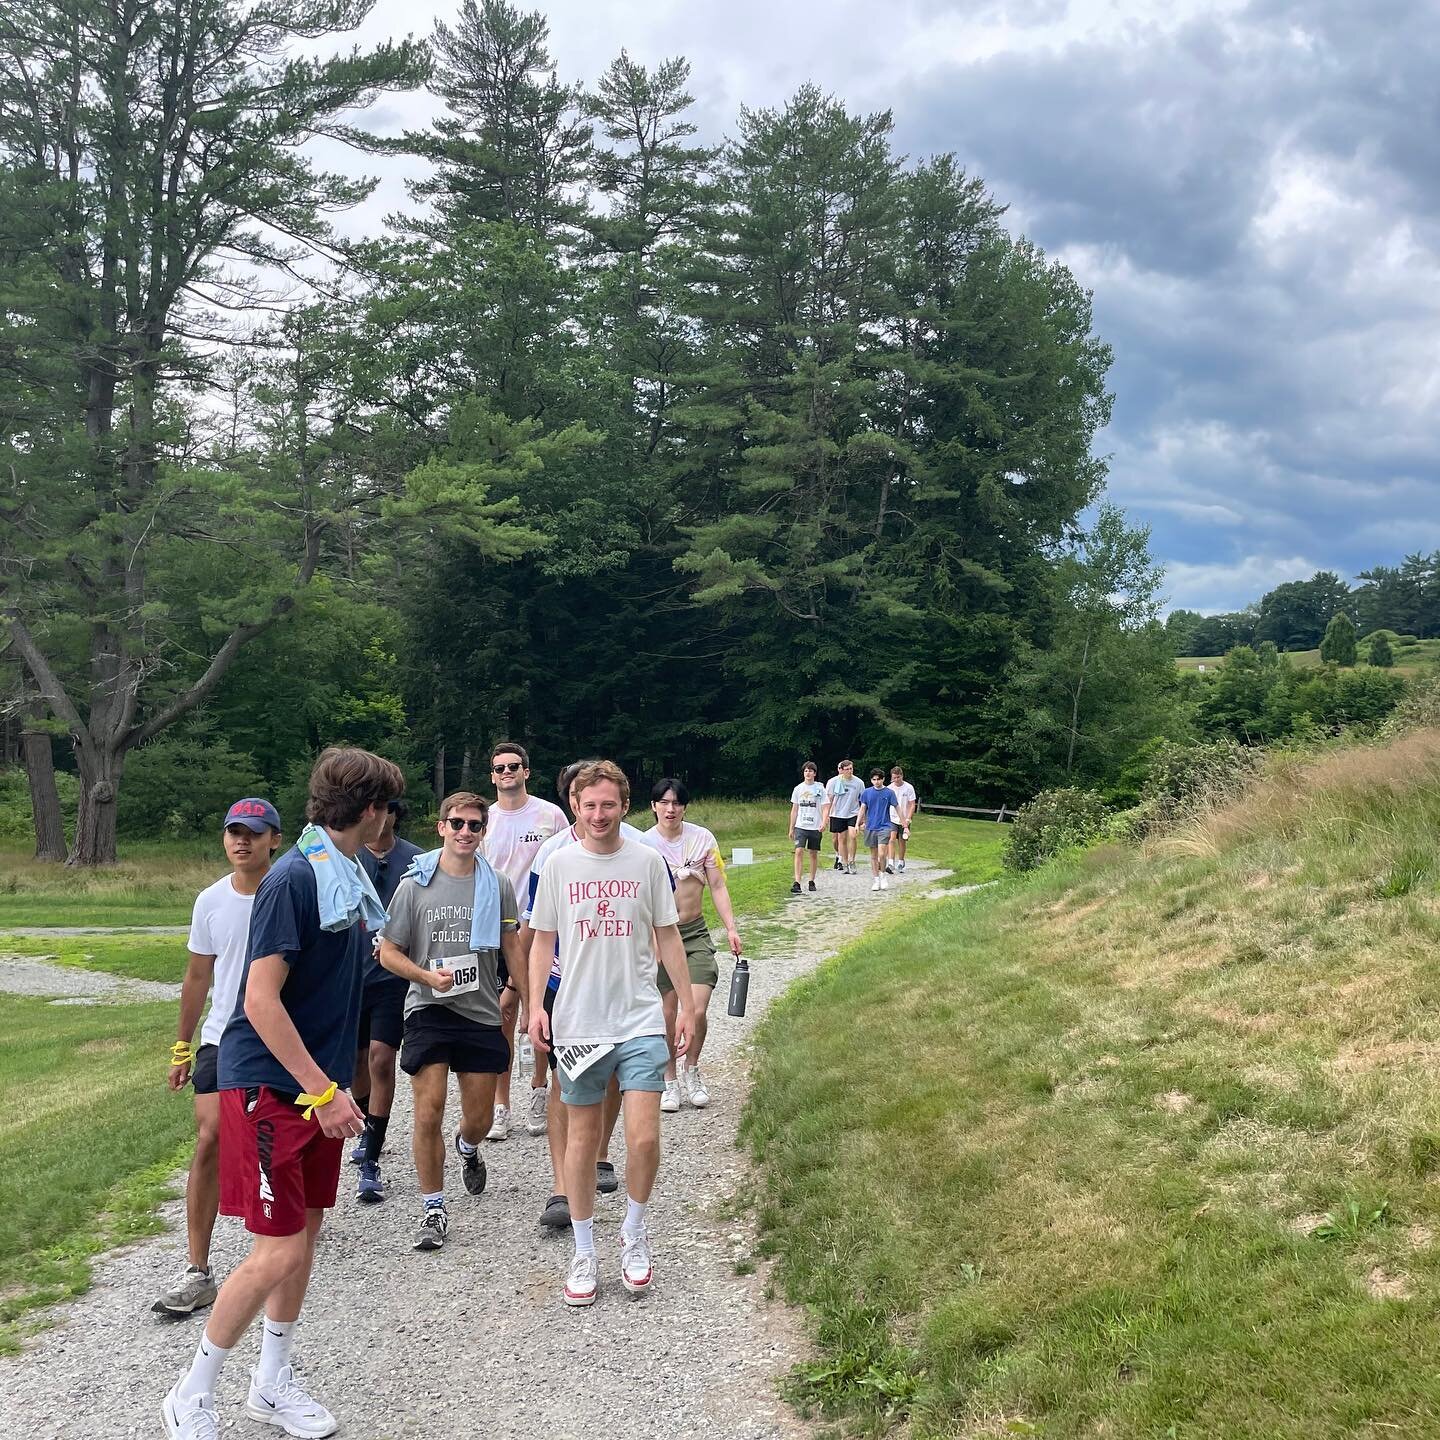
(507, 767)
(457, 824)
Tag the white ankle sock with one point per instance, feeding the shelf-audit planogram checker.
(277, 1337)
(438, 1198)
(204, 1370)
(466, 1148)
(584, 1236)
(634, 1217)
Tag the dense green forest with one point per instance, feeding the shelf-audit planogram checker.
(709, 457)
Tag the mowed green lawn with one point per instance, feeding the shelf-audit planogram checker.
(1420, 656)
(90, 1136)
(1146, 1146)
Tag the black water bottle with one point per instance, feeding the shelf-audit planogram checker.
(739, 986)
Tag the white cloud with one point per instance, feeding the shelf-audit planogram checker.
(1212, 588)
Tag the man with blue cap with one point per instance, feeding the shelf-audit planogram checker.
(219, 925)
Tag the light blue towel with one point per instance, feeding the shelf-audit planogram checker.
(484, 911)
(341, 885)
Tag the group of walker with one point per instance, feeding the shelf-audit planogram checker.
(356, 951)
(839, 806)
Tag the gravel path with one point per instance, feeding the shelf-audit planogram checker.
(70, 985)
(475, 1340)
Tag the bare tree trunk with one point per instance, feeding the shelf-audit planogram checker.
(439, 770)
(465, 769)
(1075, 708)
(100, 773)
(39, 764)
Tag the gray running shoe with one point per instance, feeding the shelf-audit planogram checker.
(371, 1188)
(433, 1228)
(194, 1290)
(472, 1169)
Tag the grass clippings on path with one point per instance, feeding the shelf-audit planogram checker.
(1147, 1146)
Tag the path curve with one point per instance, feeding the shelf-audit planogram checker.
(475, 1339)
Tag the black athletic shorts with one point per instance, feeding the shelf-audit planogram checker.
(839, 826)
(204, 1073)
(807, 839)
(436, 1035)
(382, 1012)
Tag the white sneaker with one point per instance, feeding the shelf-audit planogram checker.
(637, 1268)
(901, 867)
(500, 1130)
(287, 1405)
(192, 1419)
(583, 1280)
(695, 1091)
(884, 883)
(536, 1122)
(670, 1097)
(875, 883)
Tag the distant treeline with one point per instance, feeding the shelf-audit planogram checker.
(1404, 598)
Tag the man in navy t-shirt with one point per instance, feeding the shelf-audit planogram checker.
(875, 802)
(290, 1043)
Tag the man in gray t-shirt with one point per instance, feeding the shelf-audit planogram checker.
(452, 1008)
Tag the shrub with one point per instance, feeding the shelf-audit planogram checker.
(1338, 646)
(1381, 655)
(1184, 778)
(16, 819)
(1418, 709)
(1054, 821)
(182, 785)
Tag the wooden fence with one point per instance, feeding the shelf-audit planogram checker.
(998, 816)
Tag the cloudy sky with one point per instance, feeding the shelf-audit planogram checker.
(1251, 190)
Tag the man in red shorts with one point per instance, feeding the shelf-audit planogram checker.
(285, 1053)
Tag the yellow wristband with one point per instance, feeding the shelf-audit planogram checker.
(313, 1102)
(180, 1053)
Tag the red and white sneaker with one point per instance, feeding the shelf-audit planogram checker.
(583, 1280)
(637, 1266)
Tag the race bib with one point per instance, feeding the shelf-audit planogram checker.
(466, 970)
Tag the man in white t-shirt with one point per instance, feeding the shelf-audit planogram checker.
(520, 823)
(842, 795)
(556, 1214)
(905, 805)
(809, 809)
(219, 927)
(608, 902)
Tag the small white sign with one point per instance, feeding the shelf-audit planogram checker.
(740, 856)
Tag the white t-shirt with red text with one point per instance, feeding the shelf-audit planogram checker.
(603, 909)
(513, 838)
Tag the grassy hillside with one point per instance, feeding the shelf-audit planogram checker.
(1148, 1145)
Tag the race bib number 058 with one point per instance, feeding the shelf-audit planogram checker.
(466, 970)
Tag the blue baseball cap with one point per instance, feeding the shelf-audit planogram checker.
(253, 814)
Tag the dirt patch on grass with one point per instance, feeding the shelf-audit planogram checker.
(1308, 1223)
(1358, 1060)
(1388, 1285)
(99, 1047)
(1419, 1237)
(1175, 1102)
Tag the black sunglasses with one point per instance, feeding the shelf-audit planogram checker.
(457, 824)
(507, 767)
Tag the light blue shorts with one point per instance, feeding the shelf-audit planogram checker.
(640, 1063)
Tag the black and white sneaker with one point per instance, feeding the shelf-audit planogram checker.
(433, 1228)
(812, 887)
(473, 1172)
(795, 888)
(839, 864)
(889, 867)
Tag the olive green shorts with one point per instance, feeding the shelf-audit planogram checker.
(699, 956)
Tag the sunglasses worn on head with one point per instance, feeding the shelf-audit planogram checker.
(457, 824)
(507, 767)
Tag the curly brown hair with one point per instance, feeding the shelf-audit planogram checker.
(598, 771)
(346, 782)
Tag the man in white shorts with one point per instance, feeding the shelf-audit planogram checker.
(452, 921)
(520, 823)
(693, 856)
(842, 794)
(219, 927)
(808, 807)
(905, 807)
(608, 903)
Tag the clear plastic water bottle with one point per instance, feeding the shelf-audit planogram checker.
(739, 986)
